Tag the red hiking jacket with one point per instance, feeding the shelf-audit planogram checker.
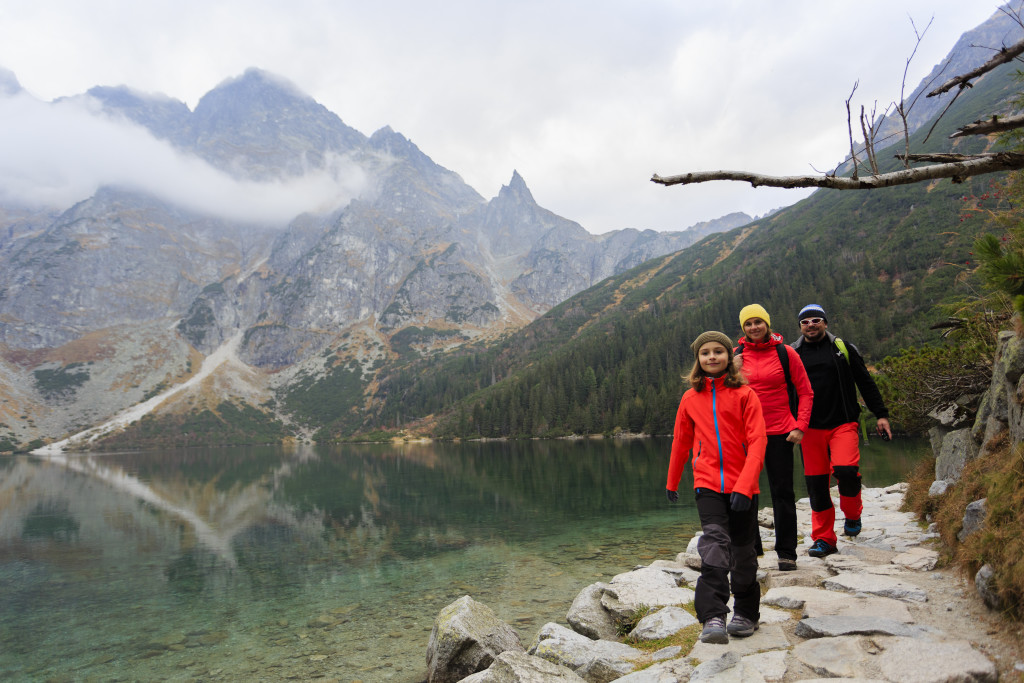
(763, 370)
(725, 429)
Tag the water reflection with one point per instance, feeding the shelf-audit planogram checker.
(275, 562)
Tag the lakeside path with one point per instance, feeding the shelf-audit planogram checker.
(876, 611)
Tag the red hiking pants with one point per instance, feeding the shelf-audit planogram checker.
(827, 453)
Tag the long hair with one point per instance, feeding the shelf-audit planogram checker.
(733, 377)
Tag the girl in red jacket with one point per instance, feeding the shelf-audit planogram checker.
(720, 420)
(761, 351)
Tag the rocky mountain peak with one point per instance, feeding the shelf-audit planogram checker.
(9, 84)
(164, 116)
(517, 189)
(276, 128)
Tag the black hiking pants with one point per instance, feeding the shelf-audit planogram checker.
(778, 465)
(728, 558)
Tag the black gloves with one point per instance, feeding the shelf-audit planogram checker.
(672, 496)
(738, 502)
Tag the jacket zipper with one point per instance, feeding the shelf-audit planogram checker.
(718, 436)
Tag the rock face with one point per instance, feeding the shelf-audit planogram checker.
(412, 260)
(466, 638)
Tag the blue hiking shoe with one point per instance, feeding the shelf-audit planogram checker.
(851, 527)
(822, 548)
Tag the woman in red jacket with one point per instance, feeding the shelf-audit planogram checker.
(719, 419)
(762, 363)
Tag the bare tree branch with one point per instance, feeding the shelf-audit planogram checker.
(849, 127)
(956, 170)
(996, 124)
(1006, 54)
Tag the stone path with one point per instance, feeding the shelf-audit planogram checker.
(876, 611)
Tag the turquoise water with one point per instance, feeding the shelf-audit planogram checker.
(274, 563)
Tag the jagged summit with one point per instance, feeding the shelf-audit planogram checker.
(517, 187)
(9, 84)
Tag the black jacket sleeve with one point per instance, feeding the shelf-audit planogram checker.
(866, 383)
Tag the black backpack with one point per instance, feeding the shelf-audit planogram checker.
(794, 399)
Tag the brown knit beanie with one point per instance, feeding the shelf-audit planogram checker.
(711, 336)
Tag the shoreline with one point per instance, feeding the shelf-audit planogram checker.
(878, 610)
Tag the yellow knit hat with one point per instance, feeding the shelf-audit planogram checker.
(754, 311)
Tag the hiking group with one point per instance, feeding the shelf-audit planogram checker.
(745, 409)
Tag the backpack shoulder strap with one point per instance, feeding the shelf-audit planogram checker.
(794, 400)
(841, 345)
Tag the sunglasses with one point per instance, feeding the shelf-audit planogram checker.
(811, 321)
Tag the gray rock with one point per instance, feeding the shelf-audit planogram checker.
(670, 652)
(841, 657)
(466, 638)
(832, 626)
(871, 584)
(648, 586)
(1011, 357)
(664, 623)
(690, 558)
(980, 421)
(913, 660)
(974, 519)
(935, 436)
(726, 669)
(985, 584)
(516, 667)
(683, 574)
(938, 488)
(667, 672)
(958, 448)
(771, 665)
(594, 660)
(768, 637)
(917, 559)
(817, 602)
(589, 617)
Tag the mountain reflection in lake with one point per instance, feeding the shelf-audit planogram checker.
(272, 563)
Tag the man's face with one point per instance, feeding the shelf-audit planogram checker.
(813, 328)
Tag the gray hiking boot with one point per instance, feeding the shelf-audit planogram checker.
(741, 627)
(714, 632)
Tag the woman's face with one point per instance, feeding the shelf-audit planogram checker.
(755, 329)
(713, 358)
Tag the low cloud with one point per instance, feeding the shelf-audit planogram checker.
(56, 154)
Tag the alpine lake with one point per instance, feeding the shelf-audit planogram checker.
(306, 562)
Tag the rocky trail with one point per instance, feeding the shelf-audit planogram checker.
(878, 610)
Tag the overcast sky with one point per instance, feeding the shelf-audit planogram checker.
(585, 99)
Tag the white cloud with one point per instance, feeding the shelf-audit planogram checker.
(55, 154)
(586, 100)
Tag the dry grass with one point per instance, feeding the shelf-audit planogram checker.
(999, 477)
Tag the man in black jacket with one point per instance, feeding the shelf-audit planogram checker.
(831, 445)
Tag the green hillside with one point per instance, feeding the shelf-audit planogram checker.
(882, 262)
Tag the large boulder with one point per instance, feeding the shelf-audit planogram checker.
(958, 448)
(589, 617)
(467, 637)
(516, 667)
(974, 518)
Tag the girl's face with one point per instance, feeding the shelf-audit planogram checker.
(713, 358)
(755, 329)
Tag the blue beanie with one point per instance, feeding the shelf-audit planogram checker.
(811, 311)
